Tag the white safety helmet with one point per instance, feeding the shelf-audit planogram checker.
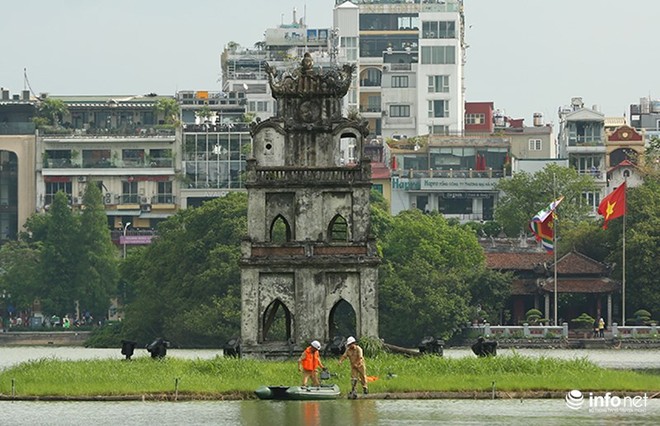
(350, 340)
(316, 345)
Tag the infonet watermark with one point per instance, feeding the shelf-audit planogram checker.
(606, 403)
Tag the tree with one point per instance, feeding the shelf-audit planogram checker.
(98, 255)
(186, 285)
(428, 271)
(61, 259)
(50, 112)
(642, 247)
(381, 219)
(525, 195)
(19, 266)
(489, 291)
(169, 109)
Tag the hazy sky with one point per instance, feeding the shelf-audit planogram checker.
(524, 55)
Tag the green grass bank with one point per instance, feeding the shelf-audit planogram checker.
(221, 378)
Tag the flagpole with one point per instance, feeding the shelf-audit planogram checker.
(554, 242)
(623, 289)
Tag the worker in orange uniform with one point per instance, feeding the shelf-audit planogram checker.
(309, 363)
(358, 368)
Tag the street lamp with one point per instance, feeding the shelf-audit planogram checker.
(5, 308)
(125, 228)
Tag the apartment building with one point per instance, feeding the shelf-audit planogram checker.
(410, 57)
(120, 143)
(646, 115)
(582, 141)
(454, 175)
(216, 141)
(17, 168)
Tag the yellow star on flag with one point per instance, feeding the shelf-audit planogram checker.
(610, 209)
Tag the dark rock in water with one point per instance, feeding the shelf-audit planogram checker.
(483, 348)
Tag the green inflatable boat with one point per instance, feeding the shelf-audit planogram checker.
(298, 392)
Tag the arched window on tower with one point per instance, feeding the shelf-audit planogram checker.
(280, 231)
(338, 229)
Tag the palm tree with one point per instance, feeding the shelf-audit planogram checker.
(169, 108)
(52, 110)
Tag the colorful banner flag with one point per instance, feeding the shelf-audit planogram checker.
(542, 225)
(614, 205)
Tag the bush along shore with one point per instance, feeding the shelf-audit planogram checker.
(220, 378)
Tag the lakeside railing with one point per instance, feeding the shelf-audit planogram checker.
(543, 331)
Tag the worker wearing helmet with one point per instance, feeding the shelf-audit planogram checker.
(358, 368)
(309, 363)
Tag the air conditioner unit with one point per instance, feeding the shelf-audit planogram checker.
(82, 178)
(107, 199)
(76, 200)
(143, 200)
(145, 207)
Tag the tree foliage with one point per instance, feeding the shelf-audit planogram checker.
(63, 259)
(61, 276)
(99, 260)
(51, 112)
(524, 195)
(432, 275)
(169, 108)
(642, 247)
(186, 285)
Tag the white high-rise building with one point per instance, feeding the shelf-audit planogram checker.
(410, 57)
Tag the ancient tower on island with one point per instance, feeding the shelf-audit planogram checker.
(308, 262)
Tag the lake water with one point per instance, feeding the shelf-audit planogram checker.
(344, 412)
(610, 358)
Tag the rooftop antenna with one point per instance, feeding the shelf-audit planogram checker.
(26, 84)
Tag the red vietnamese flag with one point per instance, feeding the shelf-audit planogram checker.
(614, 205)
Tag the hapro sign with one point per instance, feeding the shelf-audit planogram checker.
(454, 184)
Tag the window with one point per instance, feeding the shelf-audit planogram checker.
(438, 55)
(399, 110)
(132, 157)
(592, 199)
(407, 22)
(475, 118)
(338, 229)
(129, 192)
(280, 231)
(399, 81)
(258, 106)
(439, 109)
(53, 188)
(165, 193)
(535, 144)
(439, 130)
(96, 158)
(438, 84)
(349, 44)
(441, 29)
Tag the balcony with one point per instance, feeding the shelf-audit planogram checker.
(26, 128)
(128, 131)
(450, 173)
(216, 128)
(370, 108)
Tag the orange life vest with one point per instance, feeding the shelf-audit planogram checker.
(311, 360)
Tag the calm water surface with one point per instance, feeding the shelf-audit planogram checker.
(339, 412)
(610, 358)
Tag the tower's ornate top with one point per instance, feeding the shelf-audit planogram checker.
(305, 81)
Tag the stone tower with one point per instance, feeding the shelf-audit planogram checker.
(308, 248)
